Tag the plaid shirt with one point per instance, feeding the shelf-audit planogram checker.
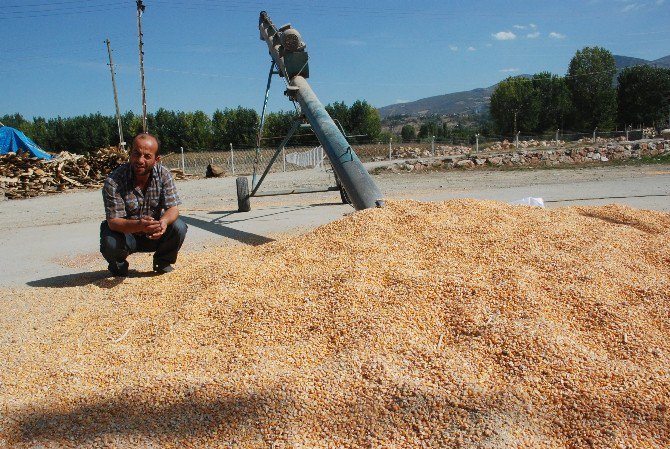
(123, 200)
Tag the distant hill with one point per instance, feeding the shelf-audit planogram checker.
(662, 62)
(477, 100)
(623, 62)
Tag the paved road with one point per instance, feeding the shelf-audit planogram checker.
(50, 240)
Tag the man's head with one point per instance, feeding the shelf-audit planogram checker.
(144, 154)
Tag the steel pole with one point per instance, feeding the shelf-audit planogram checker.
(357, 182)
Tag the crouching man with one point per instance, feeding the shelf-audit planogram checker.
(141, 206)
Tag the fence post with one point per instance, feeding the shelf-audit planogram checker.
(516, 140)
(283, 156)
(390, 140)
(477, 143)
(183, 166)
(594, 134)
(432, 146)
(627, 129)
(557, 136)
(232, 158)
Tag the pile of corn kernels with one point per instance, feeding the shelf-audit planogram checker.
(465, 324)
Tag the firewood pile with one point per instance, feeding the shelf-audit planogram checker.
(22, 176)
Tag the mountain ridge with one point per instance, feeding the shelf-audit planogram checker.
(477, 100)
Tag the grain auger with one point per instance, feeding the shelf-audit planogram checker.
(290, 61)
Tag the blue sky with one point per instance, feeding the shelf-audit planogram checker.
(206, 54)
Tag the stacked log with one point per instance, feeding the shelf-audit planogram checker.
(23, 176)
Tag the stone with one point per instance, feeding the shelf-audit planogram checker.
(603, 159)
(465, 164)
(215, 171)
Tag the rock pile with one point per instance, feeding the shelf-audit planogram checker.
(440, 150)
(507, 145)
(612, 151)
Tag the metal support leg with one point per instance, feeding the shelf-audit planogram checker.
(262, 122)
(294, 128)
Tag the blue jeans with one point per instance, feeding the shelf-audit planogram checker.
(116, 246)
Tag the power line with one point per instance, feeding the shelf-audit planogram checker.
(23, 5)
(55, 14)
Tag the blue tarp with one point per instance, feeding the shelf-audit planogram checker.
(13, 140)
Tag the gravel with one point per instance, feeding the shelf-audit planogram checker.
(464, 323)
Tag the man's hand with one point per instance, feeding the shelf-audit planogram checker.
(148, 225)
(158, 228)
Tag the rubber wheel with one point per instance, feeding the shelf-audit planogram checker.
(243, 203)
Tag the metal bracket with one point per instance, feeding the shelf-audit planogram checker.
(292, 92)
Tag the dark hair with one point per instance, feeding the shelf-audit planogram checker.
(148, 135)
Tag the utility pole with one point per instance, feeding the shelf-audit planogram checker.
(122, 143)
(140, 10)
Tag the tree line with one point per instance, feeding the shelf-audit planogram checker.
(194, 131)
(590, 96)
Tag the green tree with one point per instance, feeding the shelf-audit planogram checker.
(388, 136)
(643, 94)
(590, 82)
(39, 132)
(515, 106)
(429, 129)
(339, 112)
(237, 126)
(169, 130)
(198, 130)
(408, 133)
(16, 121)
(554, 101)
(365, 121)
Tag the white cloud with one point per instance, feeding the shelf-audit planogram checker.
(472, 49)
(353, 43)
(511, 70)
(533, 35)
(504, 36)
(631, 6)
(453, 48)
(531, 26)
(555, 35)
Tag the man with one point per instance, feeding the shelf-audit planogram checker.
(141, 205)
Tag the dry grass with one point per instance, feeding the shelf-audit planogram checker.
(458, 324)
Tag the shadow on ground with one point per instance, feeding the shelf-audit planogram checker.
(224, 231)
(101, 278)
(143, 417)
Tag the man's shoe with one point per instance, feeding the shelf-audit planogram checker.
(162, 269)
(118, 269)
